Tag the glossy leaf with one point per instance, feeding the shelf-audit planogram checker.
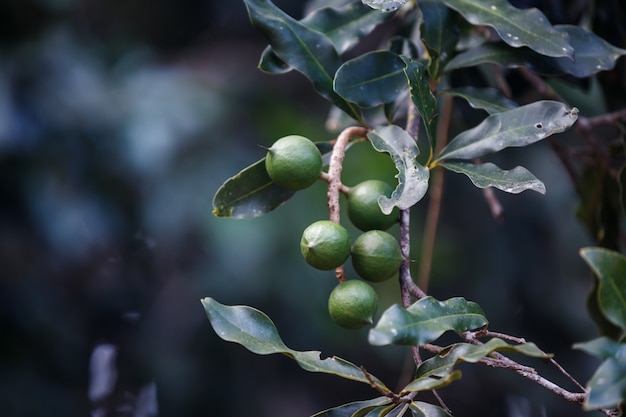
(346, 25)
(610, 269)
(427, 383)
(516, 27)
(422, 96)
(521, 126)
(412, 177)
(607, 386)
(490, 175)
(426, 320)
(385, 5)
(442, 365)
(439, 34)
(422, 409)
(255, 331)
(306, 50)
(271, 63)
(488, 99)
(371, 79)
(250, 193)
(348, 410)
(593, 54)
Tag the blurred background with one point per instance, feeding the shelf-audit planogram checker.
(119, 120)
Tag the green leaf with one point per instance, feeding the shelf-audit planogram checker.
(255, 331)
(348, 410)
(593, 54)
(422, 409)
(422, 96)
(607, 386)
(385, 5)
(439, 34)
(516, 27)
(521, 126)
(412, 177)
(490, 175)
(271, 63)
(427, 383)
(346, 25)
(250, 193)
(426, 320)
(306, 50)
(488, 99)
(442, 365)
(371, 79)
(610, 268)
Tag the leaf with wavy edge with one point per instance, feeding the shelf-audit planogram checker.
(412, 176)
(520, 126)
(425, 320)
(516, 27)
(348, 410)
(255, 331)
(486, 175)
(385, 5)
(422, 96)
(488, 99)
(422, 409)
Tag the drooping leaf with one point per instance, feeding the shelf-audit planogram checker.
(345, 25)
(385, 5)
(374, 411)
(607, 386)
(427, 383)
(412, 176)
(425, 320)
(442, 365)
(516, 27)
(521, 126)
(490, 175)
(422, 96)
(371, 79)
(593, 54)
(488, 99)
(439, 34)
(610, 269)
(252, 193)
(348, 410)
(255, 331)
(306, 50)
(271, 63)
(422, 409)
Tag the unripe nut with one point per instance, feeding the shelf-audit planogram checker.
(363, 208)
(376, 256)
(293, 162)
(352, 304)
(325, 245)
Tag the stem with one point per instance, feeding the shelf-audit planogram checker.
(334, 178)
(436, 193)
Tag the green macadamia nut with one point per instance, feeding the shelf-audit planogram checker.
(352, 304)
(325, 245)
(363, 208)
(293, 162)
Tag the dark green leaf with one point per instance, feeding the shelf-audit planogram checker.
(442, 364)
(385, 5)
(521, 126)
(593, 55)
(607, 386)
(439, 34)
(427, 383)
(422, 96)
(346, 25)
(490, 175)
(348, 410)
(610, 269)
(306, 50)
(422, 409)
(488, 99)
(250, 193)
(426, 320)
(255, 331)
(516, 27)
(412, 177)
(371, 79)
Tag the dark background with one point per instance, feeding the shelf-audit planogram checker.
(118, 122)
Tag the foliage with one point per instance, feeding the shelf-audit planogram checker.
(409, 78)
